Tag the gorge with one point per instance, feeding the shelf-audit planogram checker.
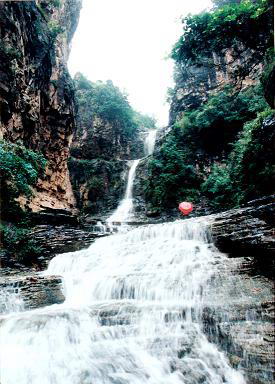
(102, 281)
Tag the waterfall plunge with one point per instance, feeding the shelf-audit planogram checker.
(132, 315)
(125, 209)
(149, 143)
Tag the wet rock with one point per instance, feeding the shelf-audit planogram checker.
(246, 231)
(60, 239)
(240, 320)
(35, 291)
(54, 217)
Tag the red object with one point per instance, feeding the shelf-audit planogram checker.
(186, 207)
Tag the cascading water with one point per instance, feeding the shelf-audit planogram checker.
(149, 142)
(125, 208)
(132, 315)
(10, 300)
(124, 211)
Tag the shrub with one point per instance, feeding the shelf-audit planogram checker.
(249, 172)
(19, 170)
(171, 176)
(211, 31)
(19, 246)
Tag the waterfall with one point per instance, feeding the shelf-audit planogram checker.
(132, 315)
(10, 299)
(124, 211)
(125, 208)
(149, 142)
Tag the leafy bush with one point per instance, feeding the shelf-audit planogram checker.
(144, 121)
(19, 246)
(19, 170)
(219, 189)
(225, 127)
(212, 31)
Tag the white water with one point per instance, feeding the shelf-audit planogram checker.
(125, 208)
(132, 315)
(149, 142)
(10, 300)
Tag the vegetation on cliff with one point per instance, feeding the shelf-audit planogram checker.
(19, 171)
(108, 131)
(247, 21)
(105, 100)
(219, 150)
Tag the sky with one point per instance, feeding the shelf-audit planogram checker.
(128, 42)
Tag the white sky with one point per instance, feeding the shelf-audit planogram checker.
(127, 41)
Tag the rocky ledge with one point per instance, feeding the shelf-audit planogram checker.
(246, 231)
(60, 239)
(32, 291)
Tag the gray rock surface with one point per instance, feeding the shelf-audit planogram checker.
(246, 231)
(34, 291)
(241, 320)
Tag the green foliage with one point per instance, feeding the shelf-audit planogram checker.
(55, 29)
(214, 125)
(212, 31)
(249, 172)
(15, 240)
(144, 122)
(221, 3)
(268, 77)
(102, 182)
(9, 51)
(106, 101)
(96, 187)
(225, 125)
(219, 189)
(172, 177)
(19, 170)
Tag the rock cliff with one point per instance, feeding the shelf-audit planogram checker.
(36, 91)
(219, 133)
(239, 66)
(109, 132)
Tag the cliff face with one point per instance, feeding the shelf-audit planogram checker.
(239, 66)
(36, 91)
(101, 138)
(219, 115)
(109, 132)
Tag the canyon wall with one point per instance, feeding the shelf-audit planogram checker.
(37, 104)
(220, 111)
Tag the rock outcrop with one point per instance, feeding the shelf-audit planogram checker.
(98, 184)
(241, 322)
(33, 291)
(36, 92)
(247, 231)
(239, 66)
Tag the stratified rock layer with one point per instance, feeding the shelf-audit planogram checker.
(247, 231)
(34, 291)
